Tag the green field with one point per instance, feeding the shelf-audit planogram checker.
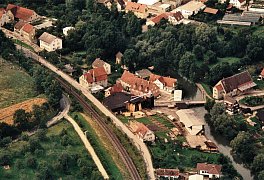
(259, 31)
(60, 154)
(15, 84)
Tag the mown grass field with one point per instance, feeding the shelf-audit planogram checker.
(15, 85)
(51, 150)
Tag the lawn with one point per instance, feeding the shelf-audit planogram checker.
(252, 101)
(259, 31)
(164, 121)
(16, 41)
(15, 85)
(170, 155)
(61, 142)
(230, 60)
(100, 150)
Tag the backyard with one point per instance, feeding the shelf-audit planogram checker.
(59, 153)
(252, 101)
(15, 85)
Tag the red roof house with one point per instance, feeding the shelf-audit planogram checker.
(21, 13)
(166, 83)
(26, 30)
(211, 170)
(138, 86)
(96, 76)
(167, 173)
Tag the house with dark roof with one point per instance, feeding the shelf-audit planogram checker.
(94, 77)
(123, 102)
(167, 173)
(138, 86)
(165, 83)
(142, 131)
(100, 63)
(209, 170)
(25, 30)
(21, 13)
(50, 42)
(233, 85)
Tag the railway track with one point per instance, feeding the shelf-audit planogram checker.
(113, 138)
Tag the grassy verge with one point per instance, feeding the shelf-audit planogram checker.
(47, 155)
(208, 89)
(16, 41)
(100, 150)
(15, 85)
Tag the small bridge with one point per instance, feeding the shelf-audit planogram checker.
(186, 102)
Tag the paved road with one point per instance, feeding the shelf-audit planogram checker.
(139, 144)
(65, 106)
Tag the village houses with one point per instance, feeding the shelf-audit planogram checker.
(231, 105)
(234, 85)
(236, 3)
(164, 83)
(173, 18)
(167, 173)
(50, 42)
(100, 63)
(25, 30)
(21, 14)
(209, 170)
(140, 10)
(138, 86)
(142, 131)
(93, 77)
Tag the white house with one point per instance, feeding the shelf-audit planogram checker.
(100, 63)
(66, 30)
(165, 83)
(148, 2)
(190, 8)
(50, 42)
(94, 77)
(237, 3)
(210, 170)
(196, 177)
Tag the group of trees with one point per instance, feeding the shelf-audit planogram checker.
(33, 155)
(241, 137)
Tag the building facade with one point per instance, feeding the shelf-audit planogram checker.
(50, 42)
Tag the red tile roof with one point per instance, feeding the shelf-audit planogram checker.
(19, 25)
(136, 7)
(210, 168)
(241, 1)
(262, 72)
(28, 28)
(210, 10)
(98, 63)
(116, 88)
(95, 75)
(20, 12)
(177, 15)
(219, 87)
(139, 85)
